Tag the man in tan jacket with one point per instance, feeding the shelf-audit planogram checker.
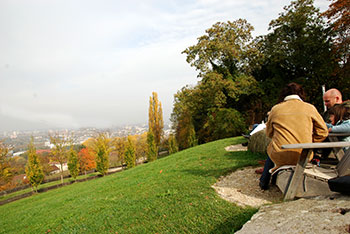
(291, 121)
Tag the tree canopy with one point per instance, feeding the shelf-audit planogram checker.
(241, 76)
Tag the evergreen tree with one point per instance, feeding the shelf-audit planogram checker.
(155, 118)
(173, 148)
(34, 170)
(73, 163)
(152, 152)
(130, 157)
(102, 150)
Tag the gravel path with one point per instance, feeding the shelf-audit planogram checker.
(242, 187)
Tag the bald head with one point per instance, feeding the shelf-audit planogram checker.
(331, 97)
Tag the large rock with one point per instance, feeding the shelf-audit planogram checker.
(319, 215)
(258, 142)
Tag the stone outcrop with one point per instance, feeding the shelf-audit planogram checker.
(319, 215)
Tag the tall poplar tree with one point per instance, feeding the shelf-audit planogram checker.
(73, 163)
(155, 117)
(130, 157)
(152, 151)
(173, 147)
(102, 150)
(34, 170)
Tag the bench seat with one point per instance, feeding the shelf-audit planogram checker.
(303, 182)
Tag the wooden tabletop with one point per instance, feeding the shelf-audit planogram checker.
(336, 134)
(339, 144)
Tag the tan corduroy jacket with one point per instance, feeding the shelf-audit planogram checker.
(290, 122)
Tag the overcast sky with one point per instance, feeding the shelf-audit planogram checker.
(95, 63)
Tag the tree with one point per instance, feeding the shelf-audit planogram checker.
(152, 151)
(223, 49)
(59, 152)
(34, 170)
(192, 140)
(231, 123)
(173, 147)
(221, 58)
(44, 157)
(86, 160)
(155, 117)
(130, 158)
(6, 173)
(338, 15)
(102, 149)
(119, 144)
(73, 163)
(141, 146)
(297, 50)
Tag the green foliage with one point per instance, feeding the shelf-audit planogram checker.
(152, 152)
(170, 195)
(102, 150)
(221, 56)
(338, 17)
(225, 122)
(130, 157)
(223, 49)
(297, 50)
(173, 147)
(192, 140)
(34, 170)
(73, 163)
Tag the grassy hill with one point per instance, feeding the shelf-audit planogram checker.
(170, 195)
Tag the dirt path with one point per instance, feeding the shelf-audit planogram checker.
(242, 186)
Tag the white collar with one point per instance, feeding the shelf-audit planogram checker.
(290, 97)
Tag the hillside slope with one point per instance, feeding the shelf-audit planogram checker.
(170, 195)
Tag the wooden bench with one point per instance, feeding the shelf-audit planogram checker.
(334, 137)
(307, 149)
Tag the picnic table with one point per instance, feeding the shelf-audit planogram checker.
(334, 137)
(296, 179)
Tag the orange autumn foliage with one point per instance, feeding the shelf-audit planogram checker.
(338, 15)
(86, 160)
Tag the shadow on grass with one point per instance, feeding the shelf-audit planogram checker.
(235, 160)
(235, 222)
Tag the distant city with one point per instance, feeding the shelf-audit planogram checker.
(18, 141)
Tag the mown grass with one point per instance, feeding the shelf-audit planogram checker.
(170, 195)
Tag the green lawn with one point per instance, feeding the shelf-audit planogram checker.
(170, 195)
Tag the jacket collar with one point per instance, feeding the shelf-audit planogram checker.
(291, 97)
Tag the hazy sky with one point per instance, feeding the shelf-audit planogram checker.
(79, 63)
